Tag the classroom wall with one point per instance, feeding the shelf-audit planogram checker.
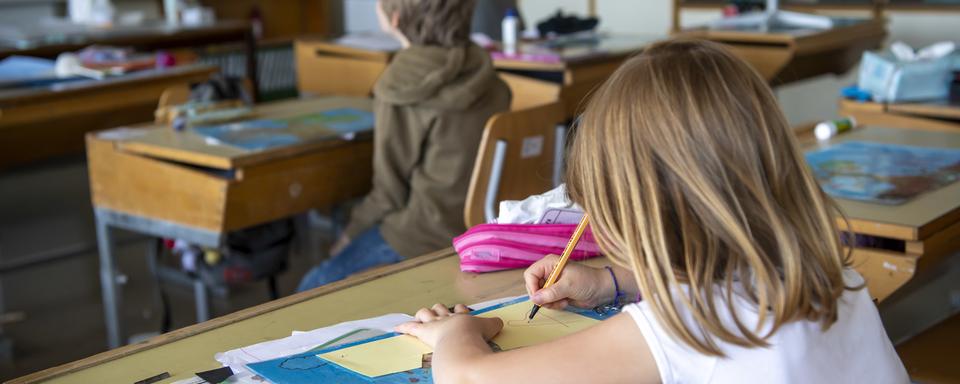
(804, 101)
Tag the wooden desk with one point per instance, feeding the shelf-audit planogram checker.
(935, 116)
(929, 224)
(37, 123)
(403, 287)
(171, 184)
(927, 356)
(146, 37)
(785, 57)
(580, 69)
(327, 68)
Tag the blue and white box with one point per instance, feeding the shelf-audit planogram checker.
(891, 80)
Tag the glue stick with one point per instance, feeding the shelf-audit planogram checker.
(831, 128)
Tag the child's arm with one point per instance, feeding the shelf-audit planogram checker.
(397, 147)
(613, 351)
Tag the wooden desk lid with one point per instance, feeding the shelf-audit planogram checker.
(942, 109)
(575, 53)
(25, 96)
(919, 217)
(190, 148)
(850, 30)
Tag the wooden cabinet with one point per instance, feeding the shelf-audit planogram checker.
(282, 19)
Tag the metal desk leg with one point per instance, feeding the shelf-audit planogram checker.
(108, 282)
(203, 303)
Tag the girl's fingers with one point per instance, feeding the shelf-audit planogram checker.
(557, 305)
(411, 328)
(441, 310)
(460, 308)
(532, 283)
(490, 326)
(549, 295)
(534, 275)
(425, 315)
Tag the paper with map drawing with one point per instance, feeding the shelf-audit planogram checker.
(883, 173)
(404, 353)
(547, 325)
(381, 357)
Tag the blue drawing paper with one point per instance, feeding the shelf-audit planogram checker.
(308, 368)
(345, 120)
(883, 173)
(251, 135)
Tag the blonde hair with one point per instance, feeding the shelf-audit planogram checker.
(444, 23)
(692, 176)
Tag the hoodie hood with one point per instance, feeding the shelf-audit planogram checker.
(448, 78)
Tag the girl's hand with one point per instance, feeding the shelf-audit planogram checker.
(434, 324)
(578, 285)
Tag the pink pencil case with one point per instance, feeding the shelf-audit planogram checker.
(495, 247)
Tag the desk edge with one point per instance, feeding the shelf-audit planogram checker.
(244, 314)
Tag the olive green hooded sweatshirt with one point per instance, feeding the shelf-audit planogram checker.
(431, 105)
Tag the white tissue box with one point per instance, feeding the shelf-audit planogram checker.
(890, 80)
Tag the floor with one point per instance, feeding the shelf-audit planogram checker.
(54, 305)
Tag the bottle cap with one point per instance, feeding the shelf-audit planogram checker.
(824, 130)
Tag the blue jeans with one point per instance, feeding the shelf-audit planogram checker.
(366, 251)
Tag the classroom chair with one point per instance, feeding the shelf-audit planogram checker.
(178, 95)
(521, 154)
(529, 92)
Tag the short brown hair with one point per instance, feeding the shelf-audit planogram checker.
(444, 23)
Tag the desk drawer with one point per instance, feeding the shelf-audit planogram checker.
(226, 200)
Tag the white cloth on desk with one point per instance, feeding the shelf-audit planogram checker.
(552, 207)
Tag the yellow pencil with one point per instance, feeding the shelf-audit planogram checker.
(571, 245)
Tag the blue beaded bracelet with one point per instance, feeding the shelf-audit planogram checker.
(617, 294)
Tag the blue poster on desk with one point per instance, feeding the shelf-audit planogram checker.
(883, 173)
(308, 367)
(343, 120)
(261, 134)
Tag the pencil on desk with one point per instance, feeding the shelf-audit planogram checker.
(571, 245)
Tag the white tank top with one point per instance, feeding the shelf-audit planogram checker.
(855, 349)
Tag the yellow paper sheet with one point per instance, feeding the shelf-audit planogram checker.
(403, 353)
(547, 325)
(381, 357)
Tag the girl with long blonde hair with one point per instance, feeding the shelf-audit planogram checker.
(699, 196)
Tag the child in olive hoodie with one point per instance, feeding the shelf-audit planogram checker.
(431, 105)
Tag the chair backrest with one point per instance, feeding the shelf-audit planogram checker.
(179, 94)
(529, 92)
(520, 155)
